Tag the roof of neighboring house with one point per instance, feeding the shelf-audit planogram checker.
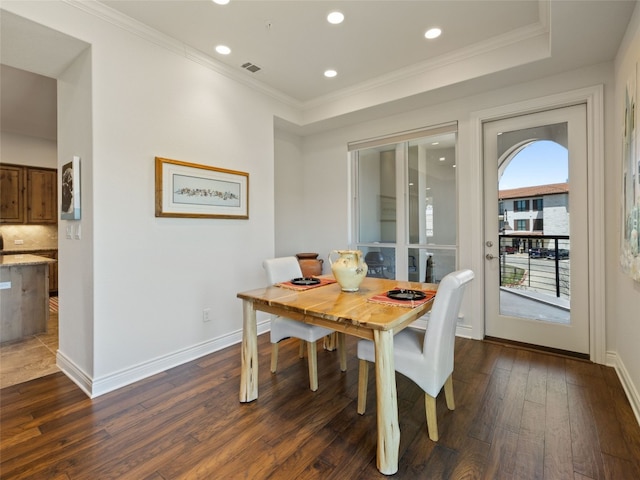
(536, 191)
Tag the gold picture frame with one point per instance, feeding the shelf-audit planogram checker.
(190, 190)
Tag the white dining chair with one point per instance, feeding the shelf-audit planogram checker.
(425, 357)
(283, 269)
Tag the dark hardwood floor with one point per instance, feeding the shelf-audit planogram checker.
(519, 415)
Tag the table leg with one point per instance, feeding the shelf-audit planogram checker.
(249, 367)
(387, 402)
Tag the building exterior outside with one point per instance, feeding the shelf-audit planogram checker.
(541, 210)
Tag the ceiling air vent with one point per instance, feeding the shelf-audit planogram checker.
(251, 67)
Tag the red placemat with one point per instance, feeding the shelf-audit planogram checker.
(292, 286)
(382, 298)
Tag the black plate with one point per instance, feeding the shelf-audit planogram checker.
(403, 294)
(305, 281)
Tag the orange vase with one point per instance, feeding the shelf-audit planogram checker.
(310, 264)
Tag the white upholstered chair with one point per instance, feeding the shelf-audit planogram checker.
(283, 269)
(425, 357)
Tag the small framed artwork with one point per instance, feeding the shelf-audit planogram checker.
(70, 206)
(199, 191)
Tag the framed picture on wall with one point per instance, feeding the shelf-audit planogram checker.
(200, 191)
(630, 247)
(70, 188)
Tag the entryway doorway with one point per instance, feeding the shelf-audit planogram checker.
(536, 232)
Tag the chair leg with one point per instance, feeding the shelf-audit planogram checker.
(342, 351)
(301, 349)
(329, 342)
(448, 393)
(313, 365)
(363, 380)
(432, 421)
(274, 357)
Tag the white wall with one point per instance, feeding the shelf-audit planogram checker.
(290, 197)
(136, 285)
(25, 150)
(623, 294)
(76, 339)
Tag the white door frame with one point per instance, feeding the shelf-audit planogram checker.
(594, 99)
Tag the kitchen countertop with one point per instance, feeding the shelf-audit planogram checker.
(20, 260)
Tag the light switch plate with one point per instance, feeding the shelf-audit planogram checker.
(78, 234)
(69, 231)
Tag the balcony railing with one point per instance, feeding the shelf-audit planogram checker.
(538, 263)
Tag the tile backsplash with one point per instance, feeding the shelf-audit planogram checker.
(32, 236)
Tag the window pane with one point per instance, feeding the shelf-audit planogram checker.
(380, 261)
(432, 190)
(430, 265)
(377, 195)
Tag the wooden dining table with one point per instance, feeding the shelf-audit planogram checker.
(352, 313)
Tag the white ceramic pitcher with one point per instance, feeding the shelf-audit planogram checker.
(349, 269)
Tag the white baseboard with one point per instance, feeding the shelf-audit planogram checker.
(95, 387)
(108, 383)
(465, 331)
(613, 360)
(75, 373)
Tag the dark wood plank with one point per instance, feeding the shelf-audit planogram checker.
(557, 432)
(519, 414)
(587, 452)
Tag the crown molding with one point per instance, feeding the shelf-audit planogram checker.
(141, 30)
(539, 30)
(494, 44)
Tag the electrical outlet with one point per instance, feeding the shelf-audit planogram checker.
(206, 315)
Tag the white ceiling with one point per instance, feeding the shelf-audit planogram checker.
(380, 43)
(294, 44)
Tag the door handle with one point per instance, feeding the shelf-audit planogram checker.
(489, 256)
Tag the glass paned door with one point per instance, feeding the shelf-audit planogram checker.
(536, 245)
(405, 207)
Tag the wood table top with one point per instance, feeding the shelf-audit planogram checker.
(330, 303)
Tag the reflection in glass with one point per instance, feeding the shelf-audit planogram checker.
(432, 191)
(430, 265)
(377, 195)
(406, 207)
(380, 262)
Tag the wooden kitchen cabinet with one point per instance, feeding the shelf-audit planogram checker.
(12, 189)
(28, 195)
(42, 195)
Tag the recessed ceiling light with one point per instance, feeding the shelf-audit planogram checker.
(435, 143)
(442, 159)
(330, 73)
(432, 33)
(221, 2)
(335, 18)
(223, 50)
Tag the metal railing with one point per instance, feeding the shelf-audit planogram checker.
(538, 263)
